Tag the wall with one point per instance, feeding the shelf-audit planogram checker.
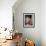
(43, 22)
(28, 6)
(6, 13)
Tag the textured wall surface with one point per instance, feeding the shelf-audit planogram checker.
(28, 6)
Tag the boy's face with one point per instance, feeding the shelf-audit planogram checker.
(27, 19)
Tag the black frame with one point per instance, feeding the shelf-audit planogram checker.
(33, 14)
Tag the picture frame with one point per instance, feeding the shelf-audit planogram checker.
(28, 20)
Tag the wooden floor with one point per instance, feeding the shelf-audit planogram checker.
(9, 43)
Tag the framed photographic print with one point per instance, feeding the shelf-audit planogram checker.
(29, 20)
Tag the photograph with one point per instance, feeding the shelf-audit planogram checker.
(29, 20)
(22, 22)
